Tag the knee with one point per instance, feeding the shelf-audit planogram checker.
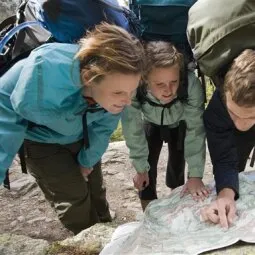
(76, 215)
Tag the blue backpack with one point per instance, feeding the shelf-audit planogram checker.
(164, 20)
(66, 21)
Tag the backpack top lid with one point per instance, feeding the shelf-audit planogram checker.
(68, 20)
(164, 20)
(218, 31)
(185, 3)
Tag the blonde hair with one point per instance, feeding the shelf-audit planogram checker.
(240, 79)
(108, 49)
(162, 54)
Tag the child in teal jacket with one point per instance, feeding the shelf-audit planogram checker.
(64, 101)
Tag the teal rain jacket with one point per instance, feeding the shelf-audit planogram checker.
(46, 89)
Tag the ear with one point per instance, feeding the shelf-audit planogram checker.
(86, 78)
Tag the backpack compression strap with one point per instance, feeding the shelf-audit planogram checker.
(21, 153)
(253, 158)
(16, 29)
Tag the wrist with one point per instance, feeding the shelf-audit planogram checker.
(142, 173)
(86, 168)
(227, 193)
(193, 177)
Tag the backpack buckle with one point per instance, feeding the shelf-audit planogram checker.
(4, 57)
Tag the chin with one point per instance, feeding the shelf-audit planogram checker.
(243, 129)
(166, 101)
(114, 110)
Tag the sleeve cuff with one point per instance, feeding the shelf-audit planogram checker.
(235, 189)
(195, 173)
(141, 168)
(226, 178)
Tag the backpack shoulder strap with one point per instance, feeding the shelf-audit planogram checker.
(253, 157)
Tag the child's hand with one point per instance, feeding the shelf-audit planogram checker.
(141, 180)
(86, 172)
(196, 188)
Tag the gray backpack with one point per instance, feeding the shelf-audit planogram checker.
(218, 31)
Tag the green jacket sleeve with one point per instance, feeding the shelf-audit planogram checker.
(195, 134)
(133, 131)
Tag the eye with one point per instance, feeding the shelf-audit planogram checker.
(118, 93)
(160, 84)
(174, 82)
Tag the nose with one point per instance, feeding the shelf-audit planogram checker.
(127, 100)
(241, 124)
(169, 89)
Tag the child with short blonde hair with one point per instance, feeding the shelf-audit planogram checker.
(168, 108)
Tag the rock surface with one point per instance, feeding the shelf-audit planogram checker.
(26, 212)
(11, 244)
(7, 8)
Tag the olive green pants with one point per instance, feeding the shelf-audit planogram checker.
(78, 204)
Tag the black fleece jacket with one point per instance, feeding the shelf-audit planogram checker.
(221, 137)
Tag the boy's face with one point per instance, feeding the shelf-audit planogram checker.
(163, 83)
(243, 117)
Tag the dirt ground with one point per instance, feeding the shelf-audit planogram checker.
(24, 209)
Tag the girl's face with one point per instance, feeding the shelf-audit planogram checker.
(163, 83)
(114, 91)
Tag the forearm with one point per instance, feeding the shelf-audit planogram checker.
(12, 132)
(138, 149)
(195, 150)
(195, 147)
(134, 134)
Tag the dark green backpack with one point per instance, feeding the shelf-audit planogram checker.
(219, 35)
(164, 20)
(218, 31)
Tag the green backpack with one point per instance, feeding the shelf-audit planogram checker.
(218, 31)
